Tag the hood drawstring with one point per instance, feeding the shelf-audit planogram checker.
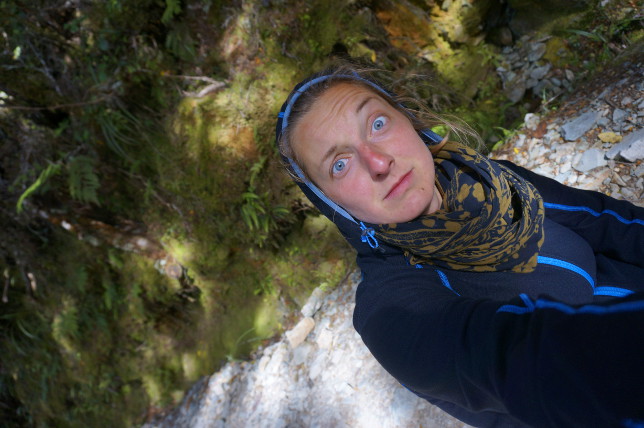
(368, 235)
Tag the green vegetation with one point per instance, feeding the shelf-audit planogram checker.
(149, 234)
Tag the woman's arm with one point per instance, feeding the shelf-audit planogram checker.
(612, 227)
(543, 362)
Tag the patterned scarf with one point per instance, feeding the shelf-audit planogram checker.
(491, 219)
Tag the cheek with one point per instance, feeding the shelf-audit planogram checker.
(354, 195)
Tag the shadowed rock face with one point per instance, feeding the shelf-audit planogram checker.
(528, 15)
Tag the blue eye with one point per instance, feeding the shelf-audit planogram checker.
(379, 123)
(338, 166)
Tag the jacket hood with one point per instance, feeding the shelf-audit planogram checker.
(359, 234)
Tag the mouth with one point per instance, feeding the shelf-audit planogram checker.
(400, 186)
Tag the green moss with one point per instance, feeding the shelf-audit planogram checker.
(465, 69)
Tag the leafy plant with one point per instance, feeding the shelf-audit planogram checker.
(172, 8)
(51, 170)
(595, 36)
(231, 355)
(257, 212)
(83, 181)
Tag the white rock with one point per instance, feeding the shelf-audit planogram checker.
(297, 334)
(301, 353)
(563, 177)
(531, 121)
(572, 179)
(325, 339)
(590, 159)
(317, 366)
(636, 149)
(630, 148)
(628, 193)
(313, 303)
(639, 171)
(565, 166)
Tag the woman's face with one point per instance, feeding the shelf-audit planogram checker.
(366, 156)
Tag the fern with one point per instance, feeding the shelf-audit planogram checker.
(172, 8)
(77, 279)
(112, 122)
(83, 181)
(46, 174)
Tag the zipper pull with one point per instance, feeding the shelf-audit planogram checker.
(368, 235)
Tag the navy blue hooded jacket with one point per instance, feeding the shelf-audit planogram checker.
(562, 346)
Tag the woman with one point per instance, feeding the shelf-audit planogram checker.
(503, 297)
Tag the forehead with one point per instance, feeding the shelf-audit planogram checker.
(344, 96)
(343, 100)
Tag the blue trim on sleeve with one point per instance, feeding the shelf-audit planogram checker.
(566, 265)
(612, 291)
(519, 310)
(632, 423)
(592, 212)
(637, 305)
(445, 281)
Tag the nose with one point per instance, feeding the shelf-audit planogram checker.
(378, 163)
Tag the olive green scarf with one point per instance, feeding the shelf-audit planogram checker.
(491, 219)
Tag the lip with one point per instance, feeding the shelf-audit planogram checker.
(400, 186)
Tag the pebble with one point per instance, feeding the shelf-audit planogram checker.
(297, 334)
(631, 148)
(628, 193)
(603, 121)
(536, 74)
(531, 121)
(540, 72)
(537, 50)
(619, 115)
(634, 152)
(639, 171)
(577, 127)
(313, 303)
(515, 91)
(609, 137)
(591, 159)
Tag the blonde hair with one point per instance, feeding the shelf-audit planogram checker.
(382, 84)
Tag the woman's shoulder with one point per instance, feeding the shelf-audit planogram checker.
(387, 284)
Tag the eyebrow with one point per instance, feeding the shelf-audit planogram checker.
(328, 154)
(364, 102)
